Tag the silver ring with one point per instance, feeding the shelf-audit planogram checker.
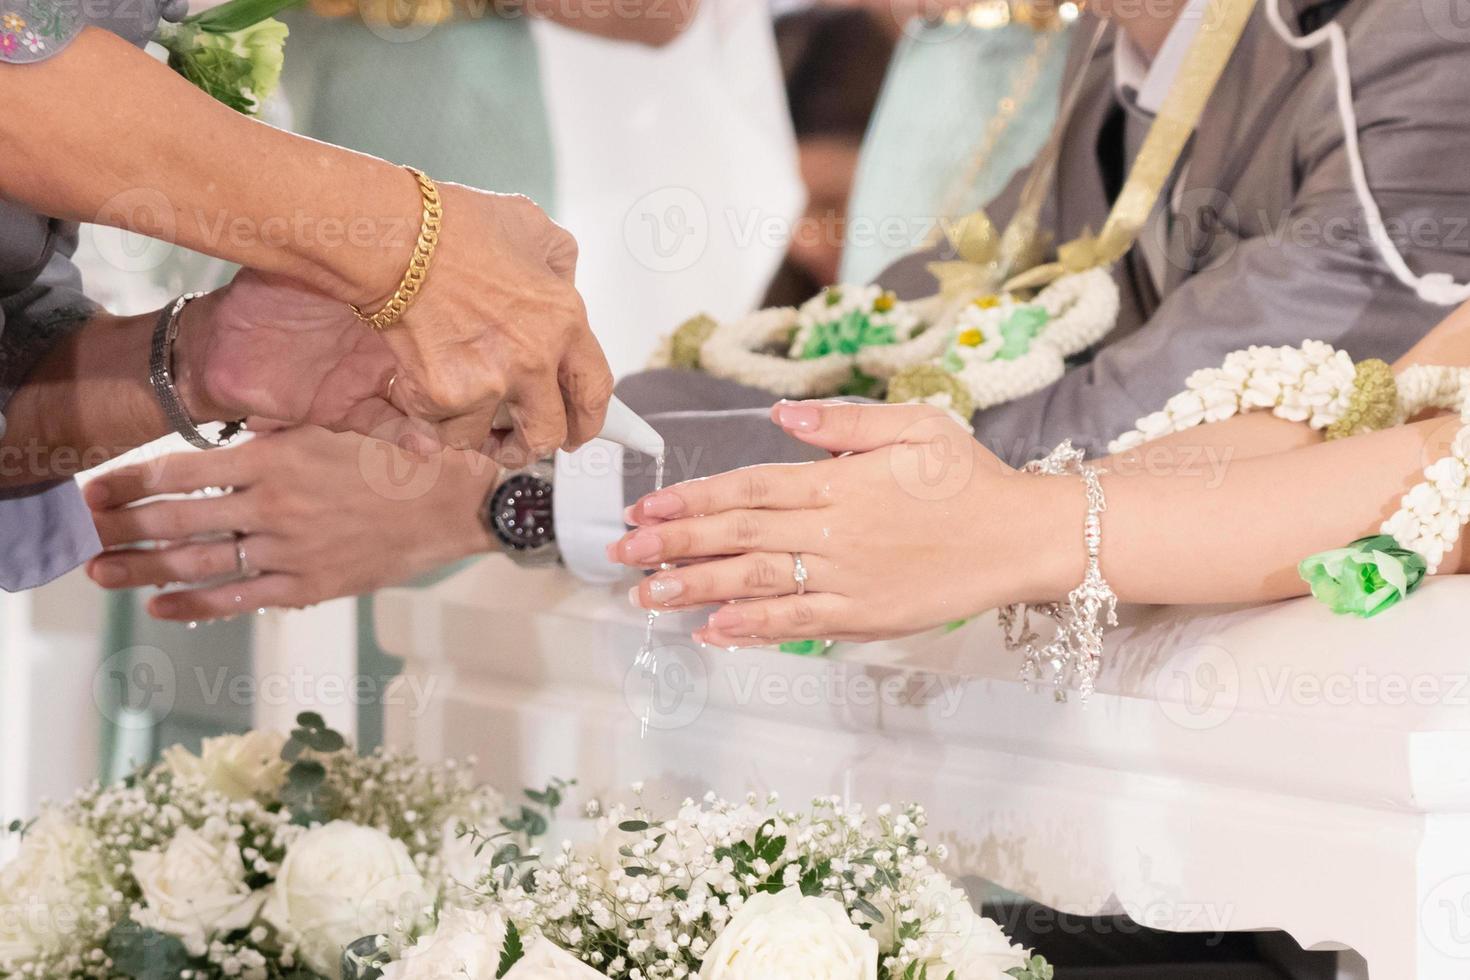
(388, 396)
(799, 573)
(242, 565)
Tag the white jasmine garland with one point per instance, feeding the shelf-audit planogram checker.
(1312, 383)
(195, 887)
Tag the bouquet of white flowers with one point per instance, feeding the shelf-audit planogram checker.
(722, 891)
(261, 858)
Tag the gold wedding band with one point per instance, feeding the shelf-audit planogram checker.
(800, 573)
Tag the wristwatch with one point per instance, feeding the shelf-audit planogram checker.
(518, 512)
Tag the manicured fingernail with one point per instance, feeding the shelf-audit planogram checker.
(107, 574)
(799, 416)
(665, 590)
(612, 552)
(630, 516)
(635, 599)
(644, 546)
(726, 619)
(662, 505)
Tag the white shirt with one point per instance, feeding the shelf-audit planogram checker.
(1150, 81)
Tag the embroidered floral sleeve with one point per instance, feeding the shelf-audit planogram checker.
(34, 30)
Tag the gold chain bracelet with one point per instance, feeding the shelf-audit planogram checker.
(418, 266)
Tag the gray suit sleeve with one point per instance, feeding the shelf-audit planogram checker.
(1315, 275)
(45, 529)
(37, 318)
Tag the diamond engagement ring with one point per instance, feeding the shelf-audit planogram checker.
(800, 573)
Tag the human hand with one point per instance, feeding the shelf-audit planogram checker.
(499, 320)
(264, 345)
(921, 527)
(322, 515)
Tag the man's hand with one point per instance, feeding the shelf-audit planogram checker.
(266, 346)
(322, 515)
(499, 320)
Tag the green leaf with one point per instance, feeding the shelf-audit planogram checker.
(145, 954)
(633, 826)
(307, 719)
(223, 75)
(867, 908)
(512, 952)
(507, 854)
(227, 18)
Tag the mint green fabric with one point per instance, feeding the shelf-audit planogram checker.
(464, 104)
(941, 92)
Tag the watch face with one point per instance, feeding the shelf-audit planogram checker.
(521, 513)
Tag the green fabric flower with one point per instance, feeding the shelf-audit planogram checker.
(1020, 329)
(847, 335)
(1366, 577)
(805, 648)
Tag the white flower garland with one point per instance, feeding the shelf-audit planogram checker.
(1080, 308)
(1314, 383)
(1435, 511)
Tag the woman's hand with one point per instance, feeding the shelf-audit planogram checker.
(922, 526)
(500, 321)
(322, 515)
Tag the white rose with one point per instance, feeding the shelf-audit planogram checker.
(466, 946)
(545, 960)
(963, 943)
(195, 889)
(239, 766)
(341, 882)
(789, 936)
(45, 891)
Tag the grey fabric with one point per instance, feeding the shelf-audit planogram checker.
(1268, 245)
(46, 529)
(32, 31)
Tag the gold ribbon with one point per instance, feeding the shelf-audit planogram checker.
(1177, 119)
(977, 267)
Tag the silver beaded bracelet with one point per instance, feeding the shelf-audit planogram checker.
(161, 377)
(1073, 656)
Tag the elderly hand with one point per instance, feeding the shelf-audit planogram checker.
(321, 515)
(265, 346)
(921, 527)
(500, 321)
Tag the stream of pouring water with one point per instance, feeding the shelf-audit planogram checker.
(647, 660)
